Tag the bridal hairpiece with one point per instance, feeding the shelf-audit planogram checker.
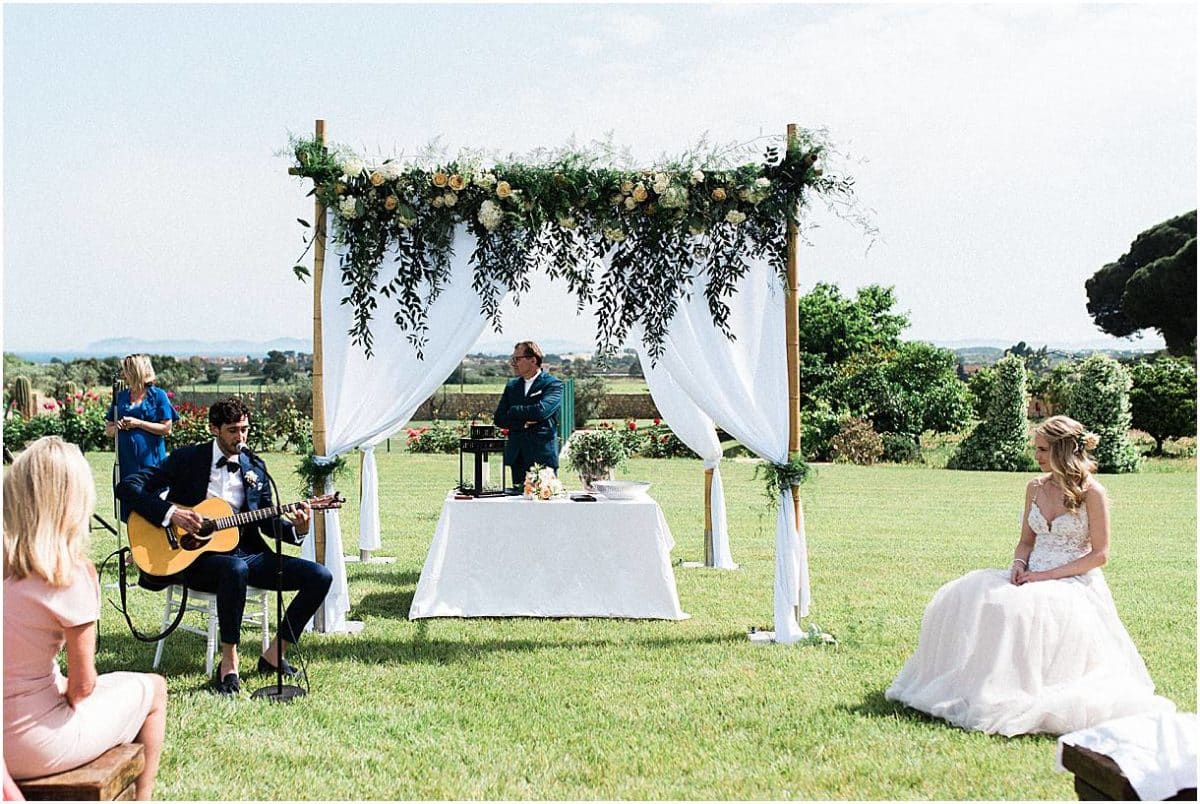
(1086, 442)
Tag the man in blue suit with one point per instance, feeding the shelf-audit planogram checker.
(223, 468)
(529, 408)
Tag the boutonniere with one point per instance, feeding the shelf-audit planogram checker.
(251, 478)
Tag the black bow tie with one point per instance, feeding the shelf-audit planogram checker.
(232, 466)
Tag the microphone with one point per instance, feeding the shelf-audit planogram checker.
(249, 452)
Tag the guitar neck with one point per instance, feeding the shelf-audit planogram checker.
(246, 517)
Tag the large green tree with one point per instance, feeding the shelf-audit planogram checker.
(1153, 285)
(1163, 399)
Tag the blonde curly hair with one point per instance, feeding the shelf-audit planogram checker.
(1071, 465)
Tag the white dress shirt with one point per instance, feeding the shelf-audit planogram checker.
(221, 483)
(530, 381)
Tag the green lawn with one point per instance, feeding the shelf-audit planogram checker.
(587, 709)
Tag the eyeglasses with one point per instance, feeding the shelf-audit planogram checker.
(515, 358)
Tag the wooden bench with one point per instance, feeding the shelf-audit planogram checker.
(108, 777)
(1098, 778)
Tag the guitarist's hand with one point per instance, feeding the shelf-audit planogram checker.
(300, 518)
(186, 520)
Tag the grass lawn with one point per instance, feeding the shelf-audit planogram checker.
(587, 709)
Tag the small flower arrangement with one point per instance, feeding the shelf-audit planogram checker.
(542, 484)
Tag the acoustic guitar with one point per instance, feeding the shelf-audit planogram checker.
(166, 550)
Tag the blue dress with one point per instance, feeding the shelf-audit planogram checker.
(138, 449)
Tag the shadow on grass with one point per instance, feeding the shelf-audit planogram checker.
(186, 655)
(875, 705)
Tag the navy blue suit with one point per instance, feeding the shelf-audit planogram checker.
(529, 443)
(184, 474)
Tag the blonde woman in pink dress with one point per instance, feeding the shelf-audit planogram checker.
(1037, 647)
(54, 723)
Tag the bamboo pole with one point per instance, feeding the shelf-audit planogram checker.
(363, 555)
(792, 329)
(710, 552)
(318, 379)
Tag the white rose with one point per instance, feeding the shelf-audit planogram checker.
(390, 171)
(450, 199)
(735, 217)
(661, 182)
(630, 202)
(485, 180)
(348, 207)
(438, 202)
(762, 181)
(697, 176)
(490, 215)
(353, 167)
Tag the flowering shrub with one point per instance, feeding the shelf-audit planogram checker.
(661, 442)
(83, 421)
(192, 427)
(440, 437)
(857, 442)
(567, 212)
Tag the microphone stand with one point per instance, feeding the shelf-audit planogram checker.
(279, 692)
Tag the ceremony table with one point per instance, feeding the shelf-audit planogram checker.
(513, 557)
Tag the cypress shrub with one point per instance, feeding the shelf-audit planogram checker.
(1000, 443)
(1100, 402)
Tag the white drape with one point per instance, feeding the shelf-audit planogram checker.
(741, 385)
(695, 429)
(368, 399)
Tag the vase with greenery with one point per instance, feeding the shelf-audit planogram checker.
(594, 454)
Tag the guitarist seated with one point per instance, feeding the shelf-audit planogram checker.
(220, 469)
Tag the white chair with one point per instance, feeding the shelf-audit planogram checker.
(205, 603)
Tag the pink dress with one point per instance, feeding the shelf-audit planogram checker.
(42, 734)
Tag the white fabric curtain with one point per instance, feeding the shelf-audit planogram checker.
(694, 428)
(369, 399)
(741, 385)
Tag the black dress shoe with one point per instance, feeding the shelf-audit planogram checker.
(229, 685)
(266, 667)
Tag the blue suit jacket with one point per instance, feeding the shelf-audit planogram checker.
(537, 442)
(185, 476)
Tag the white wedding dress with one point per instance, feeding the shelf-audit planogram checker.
(1047, 656)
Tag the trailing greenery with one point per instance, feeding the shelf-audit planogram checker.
(1100, 402)
(779, 476)
(313, 475)
(695, 218)
(1000, 443)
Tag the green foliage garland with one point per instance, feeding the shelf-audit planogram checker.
(313, 475)
(780, 476)
(697, 217)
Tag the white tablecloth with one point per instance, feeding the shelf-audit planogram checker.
(512, 557)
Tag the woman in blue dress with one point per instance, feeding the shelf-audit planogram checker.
(141, 421)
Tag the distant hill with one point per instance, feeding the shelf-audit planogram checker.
(119, 347)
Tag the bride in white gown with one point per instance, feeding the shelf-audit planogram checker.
(1038, 647)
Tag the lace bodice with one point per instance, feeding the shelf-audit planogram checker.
(1058, 542)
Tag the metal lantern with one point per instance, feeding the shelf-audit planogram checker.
(487, 451)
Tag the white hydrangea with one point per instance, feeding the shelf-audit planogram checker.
(735, 217)
(485, 180)
(661, 182)
(673, 197)
(762, 181)
(348, 207)
(353, 167)
(390, 171)
(490, 215)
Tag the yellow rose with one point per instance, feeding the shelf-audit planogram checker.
(718, 194)
(376, 178)
(457, 182)
(503, 189)
(339, 188)
(440, 179)
(390, 202)
(639, 193)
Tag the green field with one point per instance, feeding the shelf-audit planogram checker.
(587, 709)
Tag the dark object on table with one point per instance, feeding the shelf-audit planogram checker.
(483, 431)
(487, 477)
(1098, 778)
(582, 498)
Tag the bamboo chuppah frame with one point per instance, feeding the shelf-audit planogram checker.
(792, 336)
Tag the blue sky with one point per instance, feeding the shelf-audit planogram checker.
(1006, 152)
